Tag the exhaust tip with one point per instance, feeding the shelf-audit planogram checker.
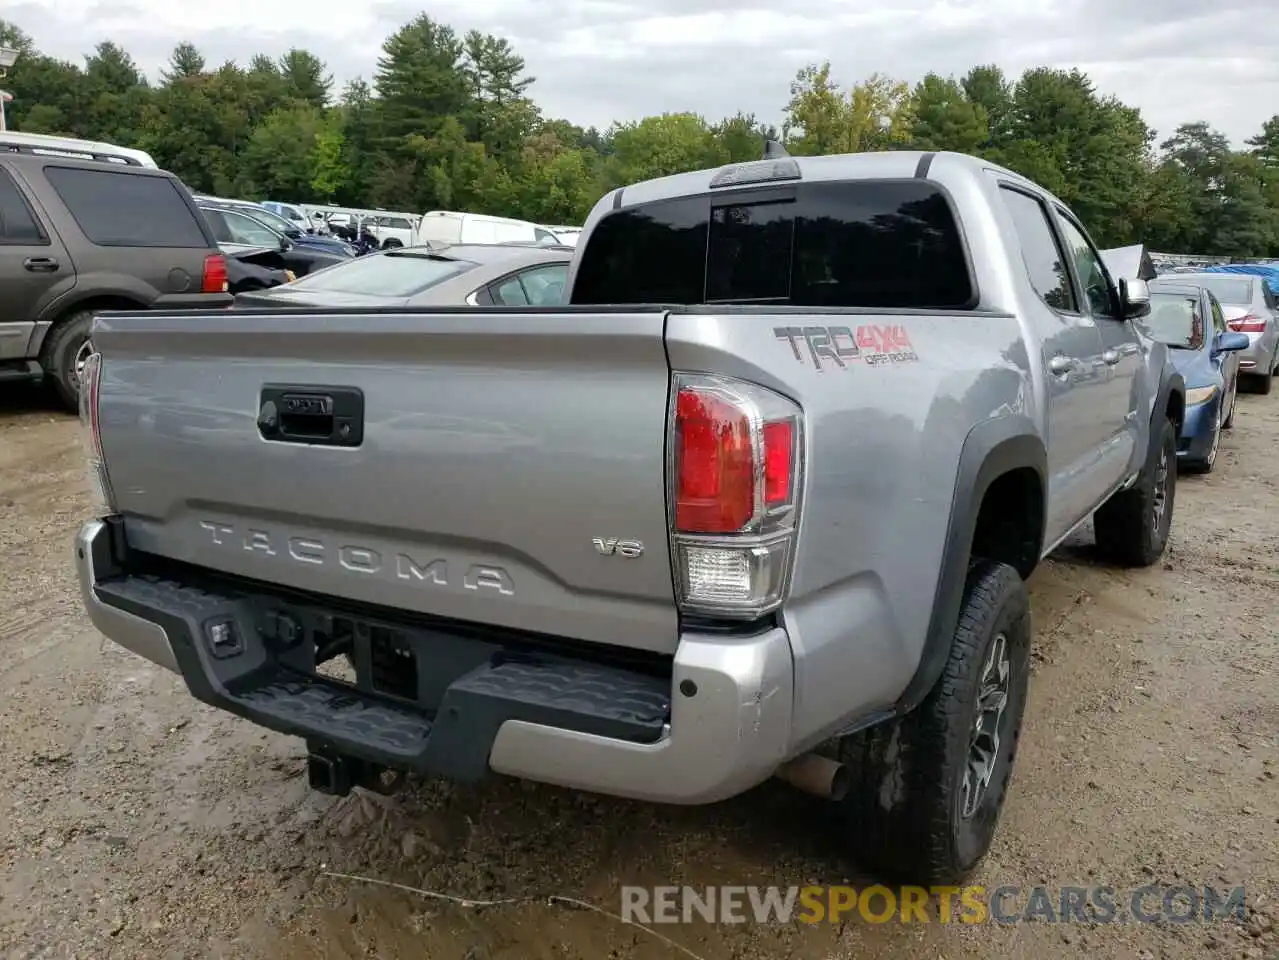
(818, 775)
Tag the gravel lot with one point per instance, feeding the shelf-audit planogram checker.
(136, 823)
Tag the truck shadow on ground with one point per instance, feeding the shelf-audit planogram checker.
(508, 840)
(22, 398)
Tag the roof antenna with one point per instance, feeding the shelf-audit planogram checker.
(774, 150)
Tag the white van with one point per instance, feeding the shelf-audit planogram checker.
(79, 149)
(448, 226)
(291, 212)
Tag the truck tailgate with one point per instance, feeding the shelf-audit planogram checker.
(497, 448)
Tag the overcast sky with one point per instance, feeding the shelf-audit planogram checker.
(603, 60)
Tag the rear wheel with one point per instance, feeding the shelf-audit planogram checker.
(1132, 526)
(391, 244)
(927, 789)
(62, 357)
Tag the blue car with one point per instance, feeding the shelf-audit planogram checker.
(1189, 319)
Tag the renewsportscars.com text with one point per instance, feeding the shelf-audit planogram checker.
(969, 905)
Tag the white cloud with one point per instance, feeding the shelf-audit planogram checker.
(600, 60)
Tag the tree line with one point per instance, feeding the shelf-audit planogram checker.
(446, 121)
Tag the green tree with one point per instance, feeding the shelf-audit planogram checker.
(185, 61)
(305, 78)
(420, 81)
(987, 87)
(943, 118)
(663, 145)
(822, 119)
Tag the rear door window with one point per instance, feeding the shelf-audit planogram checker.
(1045, 264)
(119, 209)
(18, 226)
(536, 287)
(869, 243)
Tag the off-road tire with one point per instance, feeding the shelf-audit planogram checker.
(1125, 525)
(902, 816)
(57, 356)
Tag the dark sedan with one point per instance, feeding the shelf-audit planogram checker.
(476, 274)
(236, 228)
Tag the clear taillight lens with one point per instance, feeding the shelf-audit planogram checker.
(737, 477)
(99, 483)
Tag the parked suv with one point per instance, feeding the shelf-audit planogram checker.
(88, 233)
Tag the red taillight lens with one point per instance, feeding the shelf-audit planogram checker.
(1247, 324)
(779, 451)
(714, 464)
(737, 467)
(215, 275)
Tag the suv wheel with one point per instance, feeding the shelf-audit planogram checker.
(63, 354)
(1132, 526)
(927, 788)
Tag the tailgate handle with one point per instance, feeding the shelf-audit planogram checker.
(322, 416)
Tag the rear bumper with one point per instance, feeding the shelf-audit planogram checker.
(715, 724)
(1195, 441)
(1260, 355)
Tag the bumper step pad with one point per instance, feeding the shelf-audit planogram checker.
(454, 740)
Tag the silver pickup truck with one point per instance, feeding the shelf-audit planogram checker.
(761, 502)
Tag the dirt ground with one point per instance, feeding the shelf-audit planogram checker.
(136, 823)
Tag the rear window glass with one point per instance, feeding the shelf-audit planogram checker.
(384, 275)
(864, 244)
(1227, 289)
(1176, 319)
(117, 209)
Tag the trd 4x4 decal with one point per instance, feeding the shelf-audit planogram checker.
(870, 343)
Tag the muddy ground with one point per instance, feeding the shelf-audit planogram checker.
(136, 823)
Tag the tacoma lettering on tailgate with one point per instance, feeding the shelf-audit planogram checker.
(360, 560)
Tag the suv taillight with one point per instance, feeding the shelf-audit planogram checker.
(99, 482)
(737, 463)
(215, 275)
(1250, 323)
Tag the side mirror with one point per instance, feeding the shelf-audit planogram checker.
(285, 245)
(1231, 342)
(1134, 298)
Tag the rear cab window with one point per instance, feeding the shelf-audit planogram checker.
(120, 209)
(864, 243)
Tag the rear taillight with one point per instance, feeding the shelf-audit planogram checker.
(99, 483)
(737, 476)
(215, 275)
(1251, 323)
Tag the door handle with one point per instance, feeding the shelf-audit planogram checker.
(1111, 357)
(40, 264)
(1061, 364)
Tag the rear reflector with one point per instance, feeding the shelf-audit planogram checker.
(1247, 324)
(215, 275)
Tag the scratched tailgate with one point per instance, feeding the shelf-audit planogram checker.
(451, 462)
